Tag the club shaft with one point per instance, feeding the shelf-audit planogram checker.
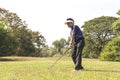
(57, 60)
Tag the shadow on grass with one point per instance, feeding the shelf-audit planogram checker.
(102, 70)
(19, 58)
(6, 59)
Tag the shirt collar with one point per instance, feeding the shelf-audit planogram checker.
(73, 27)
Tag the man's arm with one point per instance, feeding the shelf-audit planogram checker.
(72, 39)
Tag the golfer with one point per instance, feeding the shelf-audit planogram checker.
(76, 43)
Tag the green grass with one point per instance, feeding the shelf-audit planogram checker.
(28, 68)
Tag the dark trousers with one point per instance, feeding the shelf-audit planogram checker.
(77, 54)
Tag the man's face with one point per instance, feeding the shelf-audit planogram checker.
(70, 24)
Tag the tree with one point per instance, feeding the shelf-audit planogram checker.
(27, 42)
(59, 45)
(116, 25)
(97, 33)
(118, 12)
(52, 51)
(7, 42)
(111, 52)
(44, 52)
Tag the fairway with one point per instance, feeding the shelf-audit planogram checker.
(28, 68)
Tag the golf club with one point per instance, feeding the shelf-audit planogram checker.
(57, 60)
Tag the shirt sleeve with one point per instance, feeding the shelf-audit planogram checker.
(75, 28)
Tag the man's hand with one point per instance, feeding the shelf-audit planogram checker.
(70, 46)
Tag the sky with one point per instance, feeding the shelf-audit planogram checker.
(48, 16)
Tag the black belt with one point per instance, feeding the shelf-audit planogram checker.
(79, 40)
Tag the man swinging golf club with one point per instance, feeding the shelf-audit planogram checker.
(76, 43)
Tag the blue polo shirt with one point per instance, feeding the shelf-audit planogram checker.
(78, 33)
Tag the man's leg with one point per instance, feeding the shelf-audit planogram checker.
(74, 54)
(80, 47)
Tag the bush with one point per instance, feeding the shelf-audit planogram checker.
(111, 51)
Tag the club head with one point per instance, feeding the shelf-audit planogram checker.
(49, 68)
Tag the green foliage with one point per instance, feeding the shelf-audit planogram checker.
(97, 33)
(111, 51)
(52, 51)
(118, 12)
(58, 48)
(44, 52)
(15, 36)
(59, 45)
(116, 27)
(7, 45)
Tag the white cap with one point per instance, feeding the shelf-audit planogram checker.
(69, 20)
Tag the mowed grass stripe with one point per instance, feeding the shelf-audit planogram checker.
(37, 69)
